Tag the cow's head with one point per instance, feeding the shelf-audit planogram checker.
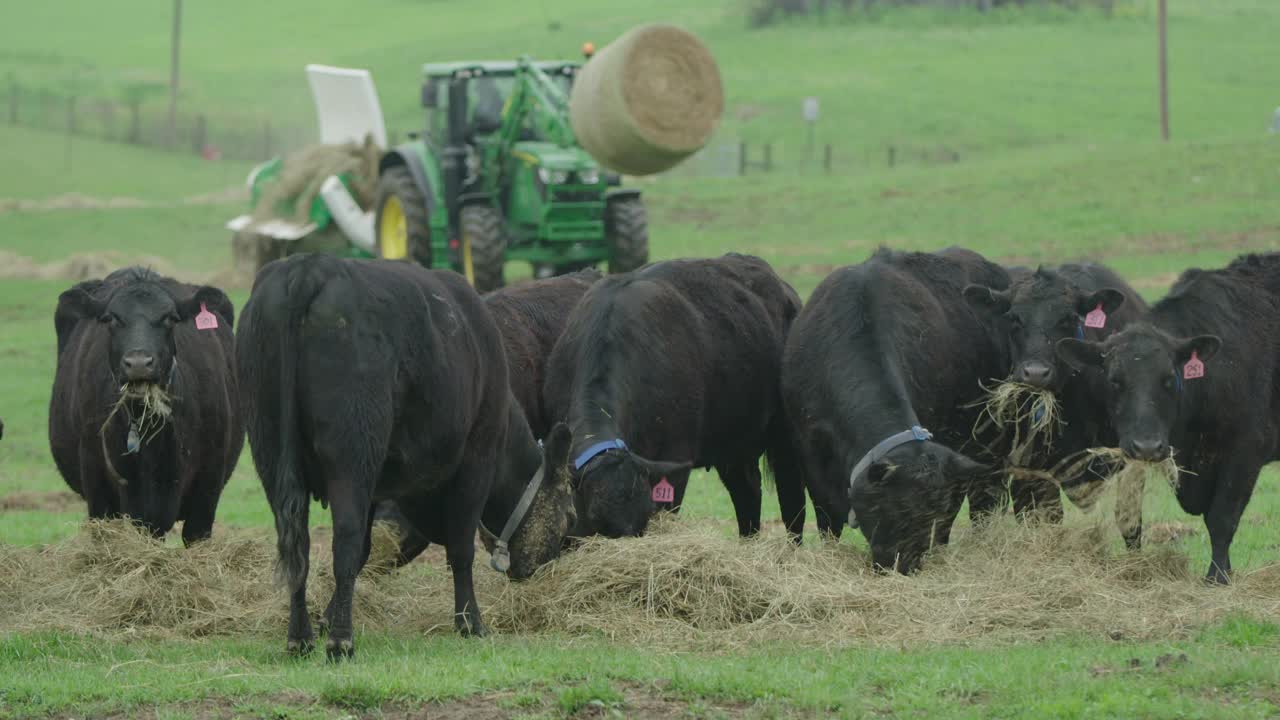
(540, 536)
(1144, 369)
(1037, 311)
(615, 490)
(140, 317)
(906, 502)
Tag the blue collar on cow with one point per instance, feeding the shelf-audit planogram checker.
(596, 449)
(882, 448)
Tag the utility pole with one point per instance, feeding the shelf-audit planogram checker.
(173, 72)
(1163, 21)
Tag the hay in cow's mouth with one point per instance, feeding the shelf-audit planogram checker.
(1127, 474)
(1030, 413)
(687, 584)
(147, 405)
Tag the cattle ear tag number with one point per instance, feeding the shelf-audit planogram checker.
(1194, 368)
(206, 320)
(663, 492)
(1096, 318)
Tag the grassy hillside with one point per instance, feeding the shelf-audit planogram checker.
(974, 84)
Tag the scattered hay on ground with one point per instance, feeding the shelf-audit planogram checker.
(76, 267)
(686, 584)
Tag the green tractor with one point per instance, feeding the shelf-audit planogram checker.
(498, 175)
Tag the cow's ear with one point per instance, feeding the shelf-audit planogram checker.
(1079, 354)
(878, 473)
(1109, 299)
(555, 447)
(981, 296)
(75, 305)
(657, 469)
(1204, 346)
(211, 298)
(966, 466)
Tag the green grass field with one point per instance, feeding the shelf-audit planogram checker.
(1055, 121)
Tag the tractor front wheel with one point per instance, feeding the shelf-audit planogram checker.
(401, 222)
(626, 226)
(484, 246)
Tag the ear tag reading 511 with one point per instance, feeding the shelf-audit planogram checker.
(206, 320)
(1097, 318)
(1194, 368)
(663, 492)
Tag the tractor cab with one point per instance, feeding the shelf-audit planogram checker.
(513, 183)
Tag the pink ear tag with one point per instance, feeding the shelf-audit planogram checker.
(663, 492)
(1193, 369)
(206, 320)
(1096, 318)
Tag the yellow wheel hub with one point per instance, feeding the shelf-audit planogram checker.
(468, 270)
(393, 232)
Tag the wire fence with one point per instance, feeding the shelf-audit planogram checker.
(138, 122)
(254, 138)
(743, 158)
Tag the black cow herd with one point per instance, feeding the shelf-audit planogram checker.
(578, 405)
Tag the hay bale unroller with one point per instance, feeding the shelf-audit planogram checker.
(648, 100)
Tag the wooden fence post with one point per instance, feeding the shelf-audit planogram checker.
(826, 158)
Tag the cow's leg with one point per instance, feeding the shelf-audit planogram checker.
(742, 479)
(787, 466)
(351, 505)
(326, 620)
(301, 638)
(200, 507)
(470, 487)
(100, 495)
(1231, 493)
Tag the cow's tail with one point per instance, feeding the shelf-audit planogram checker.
(288, 493)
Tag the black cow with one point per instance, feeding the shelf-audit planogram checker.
(365, 381)
(132, 329)
(1037, 310)
(885, 353)
(671, 366)
(1197, 377)
(530, 318)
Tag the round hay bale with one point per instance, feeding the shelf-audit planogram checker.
(648, 100)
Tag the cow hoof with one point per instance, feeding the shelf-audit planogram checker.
(1217, 577)
(339, 650)
(474, 629)
(299, 647)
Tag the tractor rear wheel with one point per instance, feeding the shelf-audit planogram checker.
(401, 223)
(626, 227)
(484, 246)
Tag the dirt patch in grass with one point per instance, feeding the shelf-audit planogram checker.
(56, 501)
(71, 201)
(79, 267)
